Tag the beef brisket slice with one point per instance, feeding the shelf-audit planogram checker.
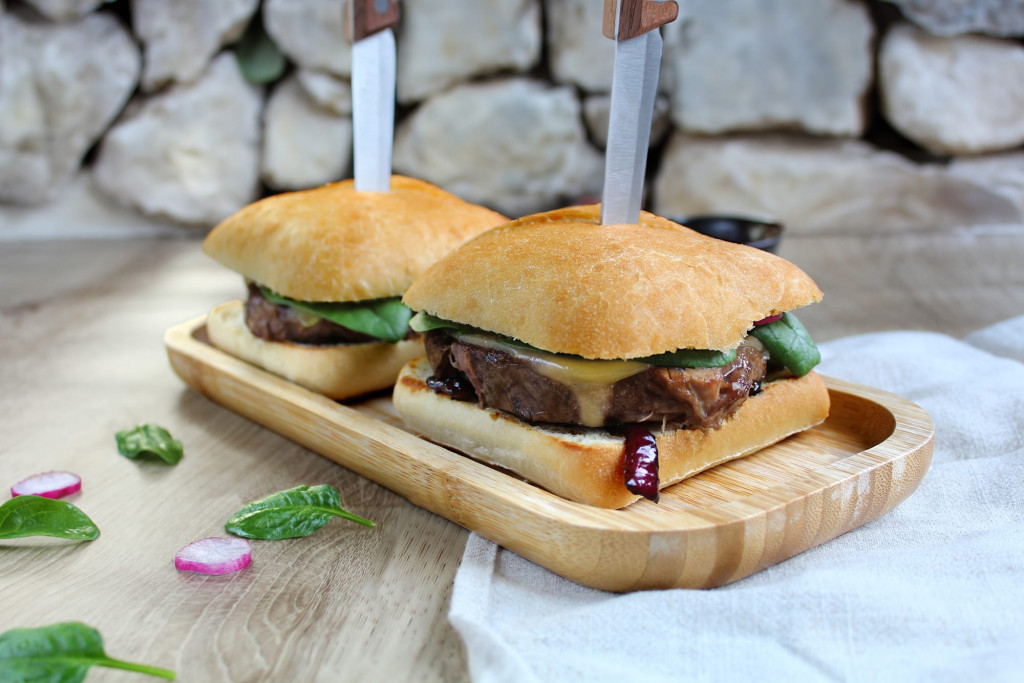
(275, 322)
(678, 397)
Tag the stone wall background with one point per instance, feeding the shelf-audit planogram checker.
(161, 117)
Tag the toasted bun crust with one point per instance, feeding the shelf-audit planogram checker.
(562, 282)
(333, 243)
(587, 466)
(338, 372)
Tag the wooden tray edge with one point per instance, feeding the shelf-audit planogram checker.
(610, 551)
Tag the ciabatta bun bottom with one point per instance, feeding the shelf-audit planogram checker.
(339, 372)
(586, 465)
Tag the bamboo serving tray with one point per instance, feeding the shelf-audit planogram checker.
(709, 530)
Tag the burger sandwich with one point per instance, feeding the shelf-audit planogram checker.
(325, 269)
(604, 363)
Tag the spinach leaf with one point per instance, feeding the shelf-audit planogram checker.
(37, 516)
(258, 57)
(290, 514)
(60, 652)
(680, 358)
(149, 439)
(789, 343)
(385, 319)
(691, 358)
(424, 322)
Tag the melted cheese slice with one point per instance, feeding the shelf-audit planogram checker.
(590, 380)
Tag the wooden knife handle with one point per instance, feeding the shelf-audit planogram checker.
(365, 17)
(637, 17)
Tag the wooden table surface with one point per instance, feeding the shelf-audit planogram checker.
(82, 357)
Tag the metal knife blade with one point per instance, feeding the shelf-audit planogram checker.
(373, 110)
(634, 89)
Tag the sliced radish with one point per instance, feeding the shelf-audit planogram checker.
(769, 319)
(214, 556)
(48, 485)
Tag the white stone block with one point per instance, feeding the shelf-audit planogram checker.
(445, 42)
(516, 145)
(962, 95)
(190, 153)
(954, 17)
(311, 33)
(304, 144)
(326, 90)
(181, 37)
(61, 85)
(752, 65)
(821, 185)
(577, 50)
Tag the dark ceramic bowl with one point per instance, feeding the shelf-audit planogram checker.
(762, 233)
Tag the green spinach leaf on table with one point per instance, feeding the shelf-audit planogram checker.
(60, 652)
(293, 513)
(37, 516)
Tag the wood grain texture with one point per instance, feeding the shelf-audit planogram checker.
(82, 355)
(636, 17)
(714, 528)
(362, 18)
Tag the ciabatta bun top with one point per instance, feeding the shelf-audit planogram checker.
(562, 282)
(333, 243)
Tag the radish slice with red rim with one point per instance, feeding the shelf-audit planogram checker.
(48, 485)
(214, 556)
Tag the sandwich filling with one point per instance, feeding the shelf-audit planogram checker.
(275, 318)
(539, 387)
(682, 389)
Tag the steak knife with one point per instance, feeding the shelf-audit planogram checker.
(633, 24)
(371, 24)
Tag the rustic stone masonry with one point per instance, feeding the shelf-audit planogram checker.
(137, 116)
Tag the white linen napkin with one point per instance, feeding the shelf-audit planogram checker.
(931, 591)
